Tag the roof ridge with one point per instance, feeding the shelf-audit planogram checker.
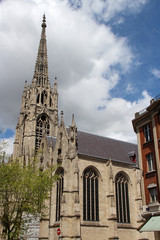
(113, 139)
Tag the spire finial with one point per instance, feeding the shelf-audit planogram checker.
(73, 123)
(44, 21)
(55, 85)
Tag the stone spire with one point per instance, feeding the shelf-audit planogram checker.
(73, 122)
(39, 108)
(41, 67)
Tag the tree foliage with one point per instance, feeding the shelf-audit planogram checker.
(23, 191)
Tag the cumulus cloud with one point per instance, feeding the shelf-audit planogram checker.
(108, 9)
(86, 56)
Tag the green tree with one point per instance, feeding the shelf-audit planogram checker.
(23, 191)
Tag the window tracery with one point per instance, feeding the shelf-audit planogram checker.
(43, 97)
(122, 199)
(59, 193)
(90, 196)
(42, 125)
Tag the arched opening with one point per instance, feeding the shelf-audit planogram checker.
(90, 195)
(50, 102)
(38, 98)
(59, 192)
(42, 125)
(122, 198)
(43, 97)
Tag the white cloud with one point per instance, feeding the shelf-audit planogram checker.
(108, 9)
(129, 88)
(8, 146)
(113, 120)
(87, 57)
(155, 72)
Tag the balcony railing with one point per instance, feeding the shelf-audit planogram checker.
(137, 114)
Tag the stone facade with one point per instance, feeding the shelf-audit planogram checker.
(39, 107)
(97, 195)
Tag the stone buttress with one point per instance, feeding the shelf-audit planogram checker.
(65, 154)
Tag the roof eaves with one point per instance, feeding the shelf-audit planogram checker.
(92, 156)
(105, 159)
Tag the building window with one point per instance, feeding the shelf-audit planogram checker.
(150, 162)
(42, 125)
(43, 97)
(50, 102)
(59, 193)
(153, 195)
(122, 199)
(147, 133)
(90, 196)
(38, 98)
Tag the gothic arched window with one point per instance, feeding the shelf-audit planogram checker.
(38, 98)
(122, 199)
(59, 192)
(90, 195)
(42, 125)
(43, 97)
(50, 102)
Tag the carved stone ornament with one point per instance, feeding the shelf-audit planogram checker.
(71, 153)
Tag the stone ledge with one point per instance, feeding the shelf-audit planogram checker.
(55, 225)
(113, 238)
(93, 224)
(63, 236)
(44, 219)
(123, 225)
(71, 216)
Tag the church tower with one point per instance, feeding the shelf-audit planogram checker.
(39, 107)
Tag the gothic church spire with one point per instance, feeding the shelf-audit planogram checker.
(41, 67)
(39, 108)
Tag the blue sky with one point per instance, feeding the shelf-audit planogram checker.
(105, 55)
(7, 133)
(143, 34)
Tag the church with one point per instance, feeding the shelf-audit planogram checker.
(98, 192)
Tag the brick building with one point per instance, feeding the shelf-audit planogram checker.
(146, 124)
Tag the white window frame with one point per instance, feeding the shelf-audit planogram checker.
(150, 162)
(153, 195)
(147, 133)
